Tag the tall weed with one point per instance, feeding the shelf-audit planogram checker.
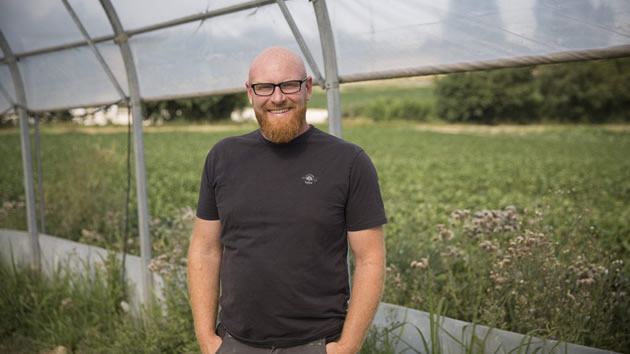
(65, 308)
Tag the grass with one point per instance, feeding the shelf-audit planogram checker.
(576, 177)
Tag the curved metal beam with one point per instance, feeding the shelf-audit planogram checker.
(330, 66)
(25, 142)
(138, 149)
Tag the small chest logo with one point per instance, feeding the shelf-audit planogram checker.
(309, 179)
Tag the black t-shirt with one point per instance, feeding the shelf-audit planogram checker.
(285, 210)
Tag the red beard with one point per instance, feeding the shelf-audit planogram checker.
(281, 130)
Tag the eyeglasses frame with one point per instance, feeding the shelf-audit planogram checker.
(253, 86)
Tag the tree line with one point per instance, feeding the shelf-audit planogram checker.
(195, 109)
(582, 92)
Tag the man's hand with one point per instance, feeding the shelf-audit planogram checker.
(211, 345)
(336, 348)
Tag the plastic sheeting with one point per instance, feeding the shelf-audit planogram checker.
(6, 89)
(36, 24)
(71, 77)
(376, 35)
(213, 55)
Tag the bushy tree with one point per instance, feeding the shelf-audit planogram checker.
(207, 108)
(488, 97)
(588, 92)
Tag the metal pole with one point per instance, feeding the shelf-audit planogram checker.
(25, 141)
(42, 209)
(332, 84)
(302, 43)
(330, 65)
(138, 149)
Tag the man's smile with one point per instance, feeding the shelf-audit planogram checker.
(278, 111)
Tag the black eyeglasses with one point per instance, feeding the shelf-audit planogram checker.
(287, 87)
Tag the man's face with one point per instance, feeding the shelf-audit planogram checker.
(281, 116)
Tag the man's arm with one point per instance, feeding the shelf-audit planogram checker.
(204, 265)
(368, 248)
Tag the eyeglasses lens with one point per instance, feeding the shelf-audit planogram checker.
(290, 86)
(264, 89)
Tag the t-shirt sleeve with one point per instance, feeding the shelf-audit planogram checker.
(206, 204)
(364, 207)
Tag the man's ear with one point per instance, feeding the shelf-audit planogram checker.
(309, 87)
(249, 93)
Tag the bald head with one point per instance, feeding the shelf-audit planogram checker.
(276, 64)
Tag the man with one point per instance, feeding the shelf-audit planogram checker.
(277, 208)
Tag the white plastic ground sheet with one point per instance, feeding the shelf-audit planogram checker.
(400, 327)
(213, 55)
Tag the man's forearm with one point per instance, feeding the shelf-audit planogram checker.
(203, 295)
(203, 284)
(367, 289)
(368, 247)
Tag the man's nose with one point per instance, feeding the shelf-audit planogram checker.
(278, 96)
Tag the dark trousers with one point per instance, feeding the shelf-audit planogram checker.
(232, 346)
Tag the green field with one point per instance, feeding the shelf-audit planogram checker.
(570, 184)
(421, 91)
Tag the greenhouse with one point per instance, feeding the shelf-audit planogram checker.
(60, 55)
